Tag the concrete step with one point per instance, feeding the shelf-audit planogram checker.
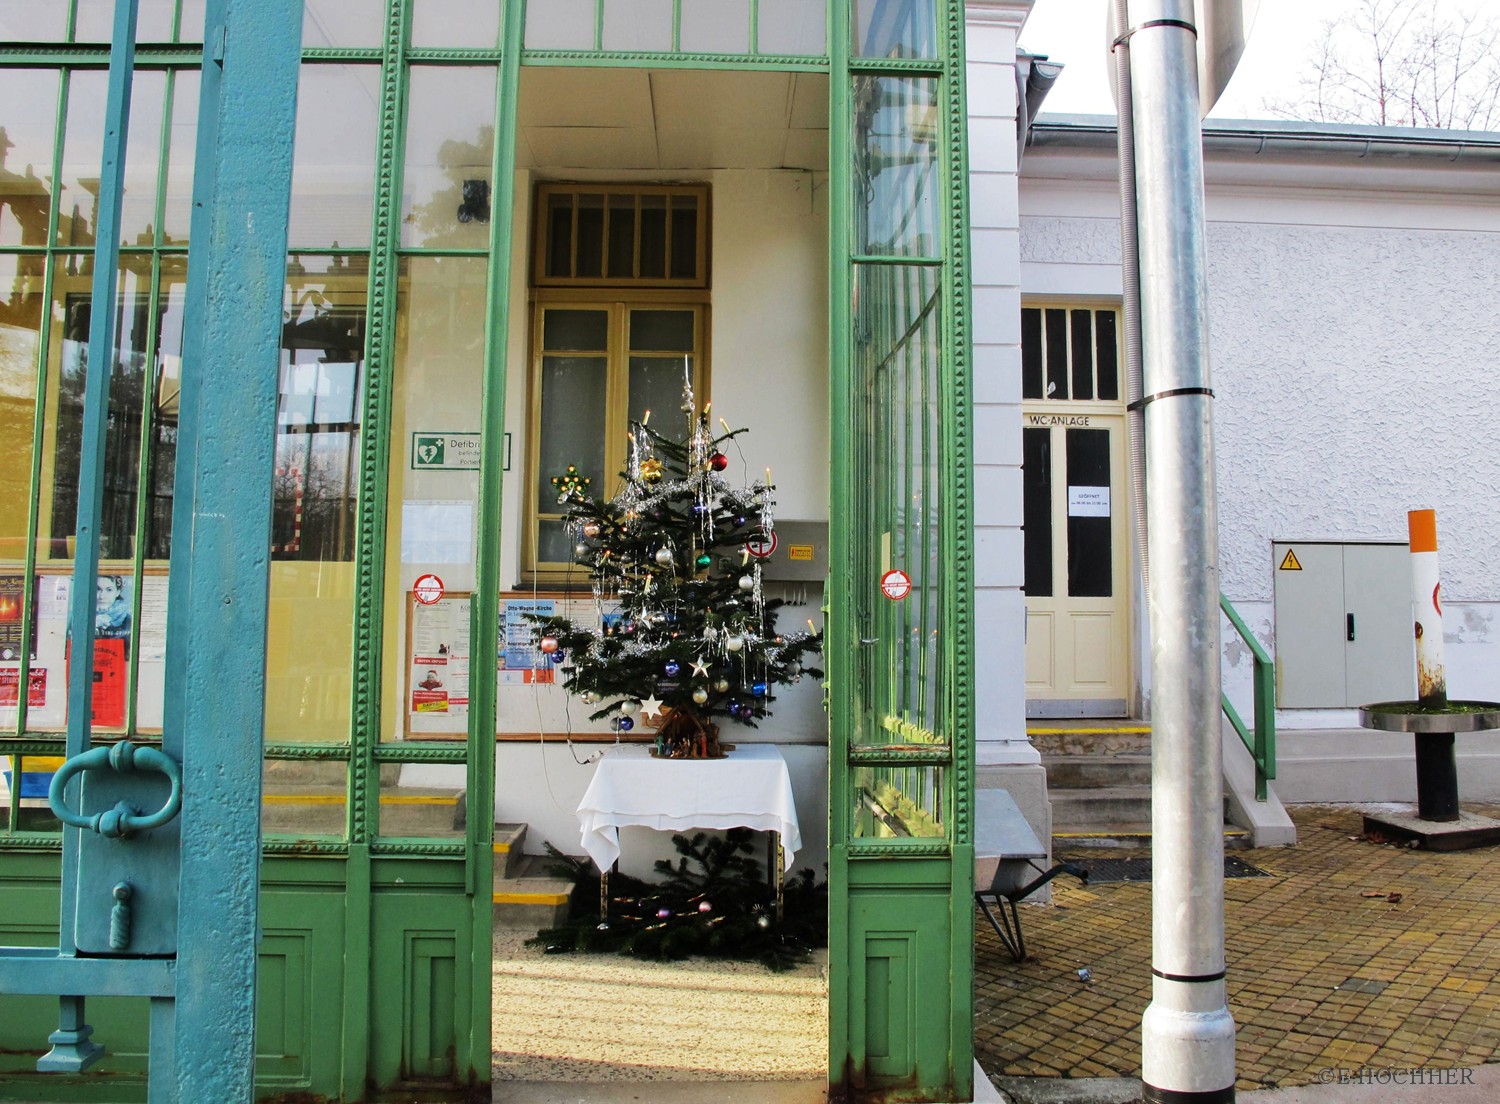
(404, 810)
(531, 899)
(1075, 772)
(509, 852)
(1134, 834)
(1088, 808)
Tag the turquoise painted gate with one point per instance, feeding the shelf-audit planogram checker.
(142, 914)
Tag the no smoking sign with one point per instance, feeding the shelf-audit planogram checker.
(895, 585)
(428, 589)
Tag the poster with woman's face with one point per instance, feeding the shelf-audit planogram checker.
(112, 600)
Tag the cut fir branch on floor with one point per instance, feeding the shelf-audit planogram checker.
(694, 637)
(712, 903)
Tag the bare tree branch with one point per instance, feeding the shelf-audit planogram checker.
(1427, 63)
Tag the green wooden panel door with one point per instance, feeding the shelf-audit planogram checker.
(902, 863)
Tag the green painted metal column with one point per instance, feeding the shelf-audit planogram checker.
(901, 621)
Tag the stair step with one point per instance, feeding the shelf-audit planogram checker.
(510, 852)
(532, 899)
(1085, 809)
(404, 810)
(1074, 772)
(1135, 834)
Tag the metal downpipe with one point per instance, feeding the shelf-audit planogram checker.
(1130, 271)
(1187, 1032)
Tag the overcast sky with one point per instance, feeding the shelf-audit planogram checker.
(1072, 32)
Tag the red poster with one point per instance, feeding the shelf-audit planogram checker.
(36, 687)
(110, 675)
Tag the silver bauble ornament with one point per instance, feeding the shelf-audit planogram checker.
(735, 643)
(700, 695)
(721, 685)
(664, 556)
(581, 551)
(747, 582)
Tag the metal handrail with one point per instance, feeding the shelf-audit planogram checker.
(1262, 746)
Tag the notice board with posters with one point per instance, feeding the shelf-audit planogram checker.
(439, 656)
(49, 652)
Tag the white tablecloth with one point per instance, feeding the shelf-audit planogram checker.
(750, 789)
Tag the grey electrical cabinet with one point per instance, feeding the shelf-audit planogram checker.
(1343, 624)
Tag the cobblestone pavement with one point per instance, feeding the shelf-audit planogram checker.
(1328, 970)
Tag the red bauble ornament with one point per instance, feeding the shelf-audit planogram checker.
(549, 644)
(718, 461)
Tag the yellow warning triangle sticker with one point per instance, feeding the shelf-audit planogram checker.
(1289, 561)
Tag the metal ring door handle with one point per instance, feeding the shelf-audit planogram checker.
(123, 819)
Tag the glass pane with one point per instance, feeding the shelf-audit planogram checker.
(715, 26)
(319, 410)
(130, 386)
(21, 304)
(793, 27)
(590, 262)
(653, 263)
(162, 459)
(656, 385)
(96, 20)
(1090, 554)
(142, 158)
(896, 166)
(333, 168)
(553, 544)
(29, 21)
(304, 798)
(684, 237)
(82, 147)
(572, 425)
(621, 236)
(31, 776)
(29, 116)
(1057, 354)
(310, 625)
(637, 24)
(190, 24)
(177, 207)
(343, 23)
(898, 361)
(450, 146)
(1031, 353)
(575, 330)
(468, 23)
(895, 29)
(1083, 354)
(559, 232)
(1107, 352)
(898, 802)
(426, 800)
(662, 331)
(439, 385)
(560, 25)
(1037, 480)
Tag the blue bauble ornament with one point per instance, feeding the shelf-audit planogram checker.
(558, 656)
(626, 724)
(671, 667)
(758, 689)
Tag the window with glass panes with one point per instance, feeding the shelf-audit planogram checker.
(619, 323)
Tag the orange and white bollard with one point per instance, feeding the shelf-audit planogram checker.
(1432, 683)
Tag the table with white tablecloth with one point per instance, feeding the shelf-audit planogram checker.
(751, 788)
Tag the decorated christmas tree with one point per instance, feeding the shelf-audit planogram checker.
(684, 632)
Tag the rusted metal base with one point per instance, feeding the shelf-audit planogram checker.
(1468, 831)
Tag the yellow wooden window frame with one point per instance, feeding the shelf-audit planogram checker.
(541, 240)
(616, 405)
